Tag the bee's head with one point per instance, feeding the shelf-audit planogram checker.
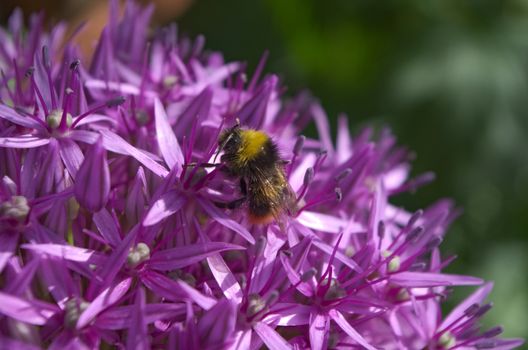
(230, 140)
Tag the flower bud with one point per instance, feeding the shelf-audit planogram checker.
(92, 182)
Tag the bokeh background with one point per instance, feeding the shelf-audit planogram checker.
(450, 77)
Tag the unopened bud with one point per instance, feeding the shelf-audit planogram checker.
(345, 173)
(381, 229)
(17, 208)
(54, 118)
(471, 310)
(338, 193)
(260, 245)
(115, 101)
(417, 215)
(308, 274)
(308, 176)
(75, 64)
(138, 254)
(447, 340)
(415, 234)
(73, 310)
(299, 145)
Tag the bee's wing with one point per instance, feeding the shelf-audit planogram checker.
(273, 188)
(288, 199)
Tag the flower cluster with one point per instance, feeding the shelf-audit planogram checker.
(110, 232)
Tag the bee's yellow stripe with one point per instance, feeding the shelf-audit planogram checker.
(253, 142)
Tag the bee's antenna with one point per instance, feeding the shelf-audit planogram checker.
(216, 155)
(229, 136)
(222, 147)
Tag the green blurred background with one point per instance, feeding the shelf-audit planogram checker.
(450, 77)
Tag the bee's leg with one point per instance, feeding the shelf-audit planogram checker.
(231, 205)
(237, 202)
(243, 187)
(202, 165)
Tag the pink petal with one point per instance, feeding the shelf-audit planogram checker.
(323, 128)
(163, 286)
(344, 140)
(123, 88)
(363, 305)
(327, 248)
(41, 234)
(108, 227)
(8, 343)
(136, 197)
(104, 300)
(59, 281)
(157, 59)
(319, 330)
(396, 177)
(33, 312)
(167, 141)
(507, 344)
(198, 109)
(430, 279)
(66, 252)
(46, 179)
(352, 333)
(16, 118)
(23, 278)
(85, 136)
(175, 290)
(289, 314)
(253, 112)
(68, 341)
(115, 143)
(218, 75)
(176, 258)
(8, 242)
(169, 203)
(138, 337)
(23, 141)
(224, 220)
(225, 278)
(46, 203)
(94, 118)
(204, 301)
(217, 325)
(270, 337)
(295, 278)
(258, 71)
(242, 340)
(324, 222)
(119, 317)
(71, 155)
(477, 297)
(263, 270)
(338, 255)
(118, 257)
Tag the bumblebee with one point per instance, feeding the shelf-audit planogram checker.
(253, 157)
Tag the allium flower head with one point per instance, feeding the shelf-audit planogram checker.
(113, 232)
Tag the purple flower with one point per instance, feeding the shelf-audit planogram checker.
(111, 232)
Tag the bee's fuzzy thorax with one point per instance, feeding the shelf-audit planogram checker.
(253, 142)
